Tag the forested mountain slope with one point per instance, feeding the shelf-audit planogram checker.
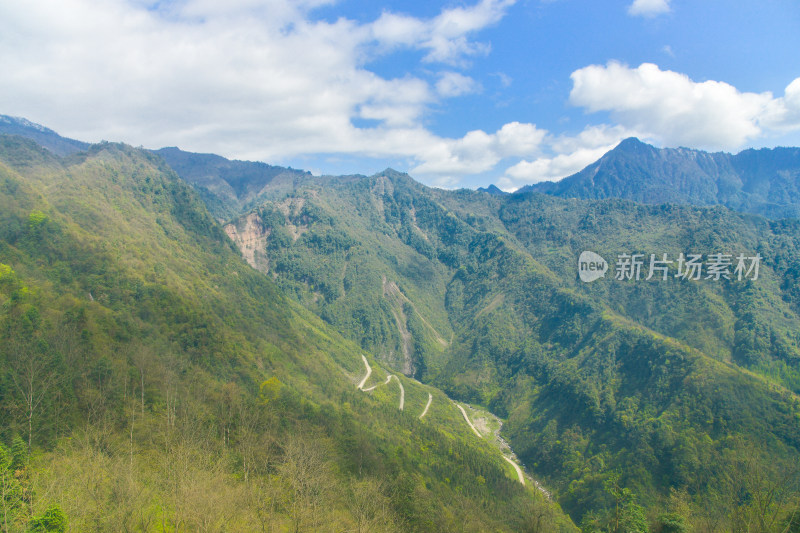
(667, 386)
(667, 403)
(229, 187)
(151, 380)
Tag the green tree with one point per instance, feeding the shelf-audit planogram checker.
(36, 218)
(10, 489)
(627, 516)
(672, 523)
(269, 390)
(34, 374)
(52, 520)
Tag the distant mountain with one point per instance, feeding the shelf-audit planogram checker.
(45, 137)
(229, 187)
(764, 182)
(492, 189)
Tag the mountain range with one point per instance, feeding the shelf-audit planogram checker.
(152, 380)
(764, 182)
(644, 400)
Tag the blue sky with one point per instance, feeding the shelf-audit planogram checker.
(458, 94)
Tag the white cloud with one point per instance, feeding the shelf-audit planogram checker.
(255, 79)
(479, 151)
(592, 137)
(454, 84)
(783, 114)
(550, 168)
(449, 30)
(673, 109)
(515, 139)
(649, 8)
(505, 79)
(445, 36)
(399, 30)
(565, 156)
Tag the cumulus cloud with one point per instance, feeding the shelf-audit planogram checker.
(648, 8)
(479, 151)
(256, 79)
(675, 110)
(550, 168)
(565, 155)
(454, 84)
(446, 36)
(784, 113)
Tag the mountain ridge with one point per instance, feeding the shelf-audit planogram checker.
(42, 135)
(764, 181)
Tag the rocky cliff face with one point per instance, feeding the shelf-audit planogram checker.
(250, 237)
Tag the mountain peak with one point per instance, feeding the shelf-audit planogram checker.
(492, 189)
(25, 123)
(632, 145)
(390, 173)
(755, 181)
(45, 137)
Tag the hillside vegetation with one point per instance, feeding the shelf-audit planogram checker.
(152, 381)
(663, 404)
(658, 393)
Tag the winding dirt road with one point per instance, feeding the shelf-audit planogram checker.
(369, 371)
(430, 400)
(520, 474)
(517, 468)
(463, 412)
(388, 379)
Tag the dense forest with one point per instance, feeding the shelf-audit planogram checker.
(659, 392)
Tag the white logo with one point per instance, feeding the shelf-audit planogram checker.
(591, 266)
